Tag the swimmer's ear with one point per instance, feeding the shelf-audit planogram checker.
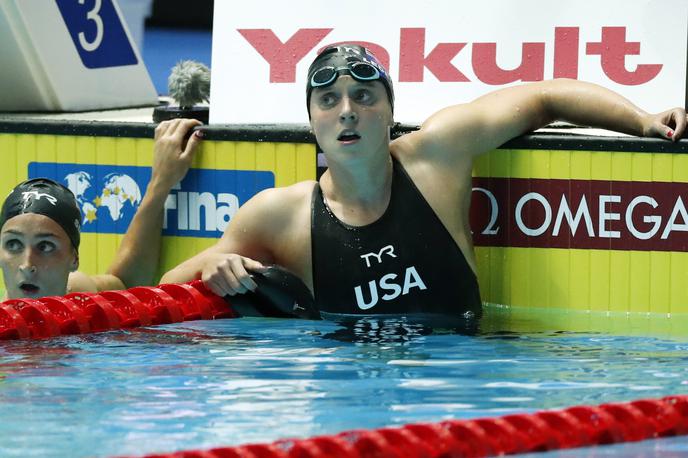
(75, 262)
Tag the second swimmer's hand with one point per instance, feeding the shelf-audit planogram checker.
(228, 274)
(173, 152)
(670, 124)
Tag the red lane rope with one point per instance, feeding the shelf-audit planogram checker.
(81, 313)
(578, 426)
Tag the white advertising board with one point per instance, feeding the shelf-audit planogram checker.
(443, 52)
(69, 55)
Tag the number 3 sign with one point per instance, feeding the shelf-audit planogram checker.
(69, 55)
(97, 33)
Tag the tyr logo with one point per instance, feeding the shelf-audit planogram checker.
(389, 250)
(28, 196)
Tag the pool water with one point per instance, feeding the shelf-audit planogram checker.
(209, 383)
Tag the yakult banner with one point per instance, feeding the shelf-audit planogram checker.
(443, 52)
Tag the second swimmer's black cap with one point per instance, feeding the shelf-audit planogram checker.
(45, 197)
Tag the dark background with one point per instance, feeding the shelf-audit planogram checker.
(182, 14)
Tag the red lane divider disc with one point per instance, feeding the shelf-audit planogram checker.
(537, 432)
(680, 404)
(600, 426)
(664, 418)
(219, 453)
(471, 435)
(431, 439)
(297, 448)
(38, 317)
(71, 318)
(632, 421)
(101, 315)
(566, 428)
(259, 451)
(163, 307)
(334, 446)
(220, 307)
(400, 442)
(195, 305)
(129, 304)
(127, 314)
(12, 324)
(366, 442)
(504, 438)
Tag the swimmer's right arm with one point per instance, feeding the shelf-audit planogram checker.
(224, 273)
(244, 247)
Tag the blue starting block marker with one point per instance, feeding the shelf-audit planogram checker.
(97, 33)
(69, 55)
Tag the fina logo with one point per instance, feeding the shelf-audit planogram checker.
(200, 206)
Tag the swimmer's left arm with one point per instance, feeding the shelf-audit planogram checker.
(136, 261)
(80, 282)
(460, 132)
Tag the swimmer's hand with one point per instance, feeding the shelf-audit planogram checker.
(228, 274)
(174, 150)
(670, 124)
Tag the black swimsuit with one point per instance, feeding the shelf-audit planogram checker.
(405, 263)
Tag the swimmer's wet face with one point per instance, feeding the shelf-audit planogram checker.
(39, 236)
(36, 256)
(350, 101)
(351, 116)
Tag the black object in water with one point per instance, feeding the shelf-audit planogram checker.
(280, 294)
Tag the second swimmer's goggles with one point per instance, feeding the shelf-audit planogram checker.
(360, 71)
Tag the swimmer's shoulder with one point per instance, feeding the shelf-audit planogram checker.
(275, 207)
(270, 225)
(428, 148)
(285, 198)
(411, 148)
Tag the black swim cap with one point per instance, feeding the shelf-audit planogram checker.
(343, 58)
(45, 197)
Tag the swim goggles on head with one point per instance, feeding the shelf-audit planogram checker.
(360, 71)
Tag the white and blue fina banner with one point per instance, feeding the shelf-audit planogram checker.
(201, 205)
(444, 52)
